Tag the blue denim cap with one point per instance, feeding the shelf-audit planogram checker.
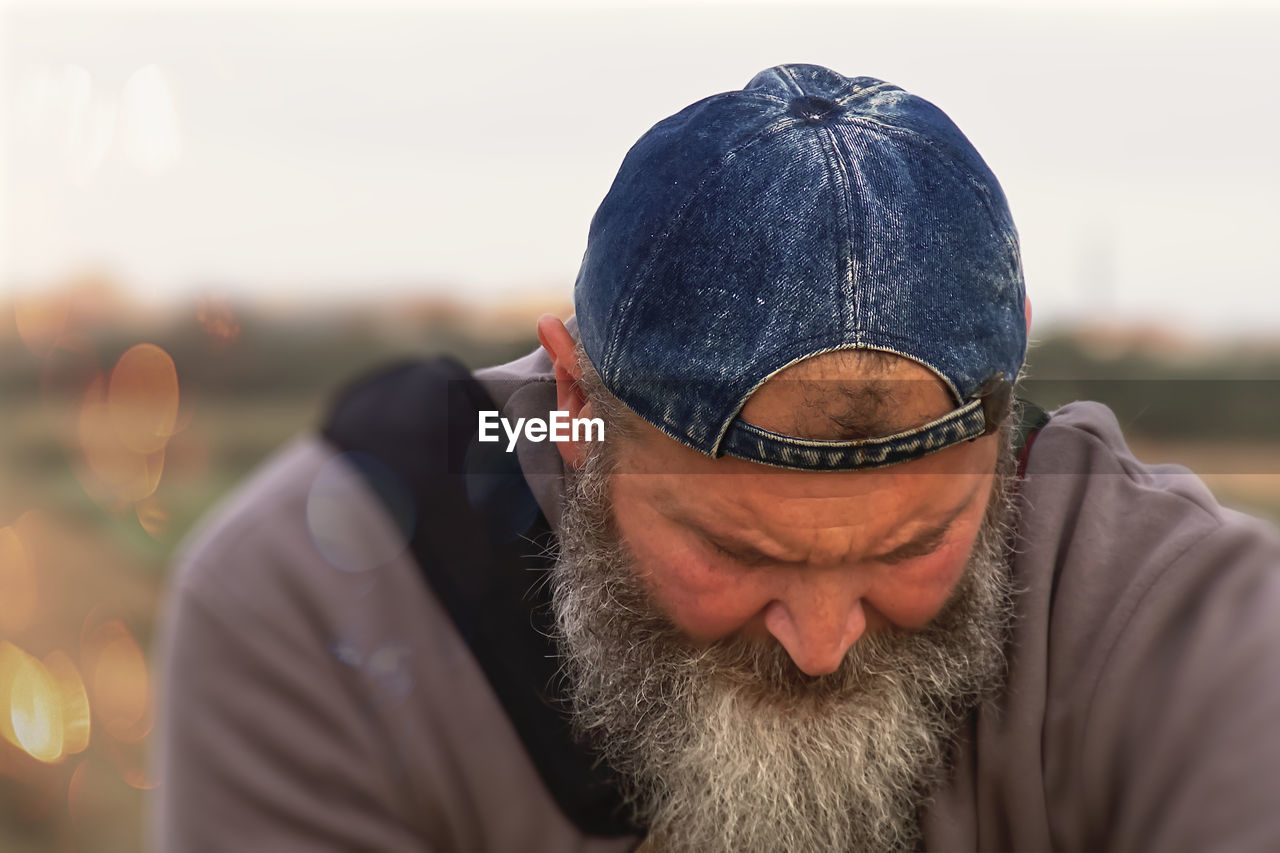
(806, 213)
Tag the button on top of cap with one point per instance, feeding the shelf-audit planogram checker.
(812, 108)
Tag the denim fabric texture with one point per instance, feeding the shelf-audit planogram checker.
(807, 212)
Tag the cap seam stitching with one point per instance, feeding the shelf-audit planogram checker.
(785, 71)
(861, 467)
(849, 97)
(943, 153)
(627, 300)
(862, 344)
(846, 180)
(736, 94)
(958, 413)
(1003, 224)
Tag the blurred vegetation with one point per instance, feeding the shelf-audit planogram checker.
(247, 384)
(1162, 390)
(251, 380)
(241, 398)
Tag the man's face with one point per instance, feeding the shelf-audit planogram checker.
(777, 659)
(813, 560)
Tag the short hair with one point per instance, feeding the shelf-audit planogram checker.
(875, 398)
(618, 419)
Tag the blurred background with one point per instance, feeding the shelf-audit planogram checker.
(211, 215)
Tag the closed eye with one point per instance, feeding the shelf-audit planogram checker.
(742, 554)
(921, 546)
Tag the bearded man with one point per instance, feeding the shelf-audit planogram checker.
(824, 584)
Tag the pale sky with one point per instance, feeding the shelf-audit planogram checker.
(323, 150)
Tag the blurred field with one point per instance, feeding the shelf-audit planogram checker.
(86, 575)
(87, 571)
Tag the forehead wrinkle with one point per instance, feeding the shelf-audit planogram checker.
(668, 502)
(920, 520)
(868, 512)
(842, 549)
(720, 525)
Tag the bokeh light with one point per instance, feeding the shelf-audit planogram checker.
(11, 661)
(119, 685)
(142, 398)
(76, 723)
(90, 116)
(30, 705)
(41, 318)
(152, 517)
(215, 316)
(149, 133)
(125, 473)
(35, 709)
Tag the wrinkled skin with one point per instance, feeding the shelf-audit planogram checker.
(778, 659)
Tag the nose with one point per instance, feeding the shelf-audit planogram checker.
(816, 620)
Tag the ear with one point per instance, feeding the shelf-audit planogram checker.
(563, 349)
(1027, 304)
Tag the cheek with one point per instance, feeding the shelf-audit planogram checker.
(703, 600)
(912, 594)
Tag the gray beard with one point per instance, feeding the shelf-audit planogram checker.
(731, 747)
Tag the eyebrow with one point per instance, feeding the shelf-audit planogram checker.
(923, 543)
(743, 552)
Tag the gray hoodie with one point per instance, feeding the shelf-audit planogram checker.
(316, 696)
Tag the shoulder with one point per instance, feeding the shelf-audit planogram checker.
(311, 596)
(1101, 522)
(341, 506)
(263, 519)
(1082, 452)
(283, 659)
(300, 636)
(311, 575)
(322, 528)
(1100, 531)
(295, 527)
(1147, 628)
